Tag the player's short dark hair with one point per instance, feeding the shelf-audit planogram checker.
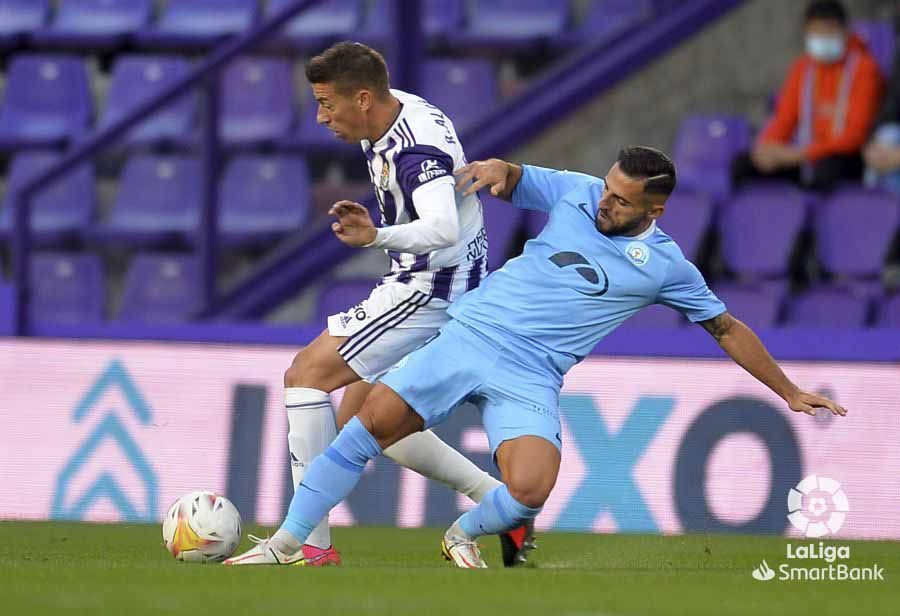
(831, 10)
(350, 67)
(641, 162)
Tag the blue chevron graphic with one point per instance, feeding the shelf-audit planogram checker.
(111, 427)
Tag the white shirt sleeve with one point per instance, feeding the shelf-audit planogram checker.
(437, 226)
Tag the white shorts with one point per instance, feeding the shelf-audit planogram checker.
(391, 323)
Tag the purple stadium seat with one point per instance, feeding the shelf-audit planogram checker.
(889, 313)
(605, 21)
(339, 295)
(161, 288)
(758, 228)
(59, 211)
(880, 38)
(20, 17)
(655, 317)
(854, 229)
(503, 223)
(512, 24)
(66, 288)
(137, 78)
(687, 218)
(439, 18)
(442, 17)
(463, 89)
(258, 101)
(704, 148)
(263, 198)
(199, 23)
(47, 101)
(757, 305)
(95, 23)
(158, 202)
(319, 26)
(827, 307)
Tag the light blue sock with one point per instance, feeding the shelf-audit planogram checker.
(497, 513)
(330, 478)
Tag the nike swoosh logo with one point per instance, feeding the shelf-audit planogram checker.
(583, 208)
(605, 285)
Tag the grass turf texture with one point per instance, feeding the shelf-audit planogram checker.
(48, 568)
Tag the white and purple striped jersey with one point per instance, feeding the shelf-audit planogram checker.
(421, 148)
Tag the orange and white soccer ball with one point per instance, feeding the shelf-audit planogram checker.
(202, 527)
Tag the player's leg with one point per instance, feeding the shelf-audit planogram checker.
(434, 377)
(425, 453)
(357, 344)
(316, 371)
(524, 435)
(384, 419)
(529, 465)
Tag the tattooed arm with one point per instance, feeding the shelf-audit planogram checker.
(747, 350)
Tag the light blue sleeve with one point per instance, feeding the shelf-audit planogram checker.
(686, 291)
(541, 188)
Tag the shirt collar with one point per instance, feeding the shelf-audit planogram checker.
(647, 233)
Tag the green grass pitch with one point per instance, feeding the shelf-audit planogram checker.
(53, 568)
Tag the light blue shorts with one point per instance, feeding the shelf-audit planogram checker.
(461, 365)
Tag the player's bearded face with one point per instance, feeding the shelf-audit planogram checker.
(339, 113)
(623, 209)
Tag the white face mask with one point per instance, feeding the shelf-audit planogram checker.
(825, 48)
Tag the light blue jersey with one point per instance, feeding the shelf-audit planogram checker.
(573, 285)
(513, 338)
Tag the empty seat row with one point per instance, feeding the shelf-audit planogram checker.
(71, 288)
(48, 100)
(261, 198)
(758, 228)
(494, 24)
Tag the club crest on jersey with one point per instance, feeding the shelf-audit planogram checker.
(385, 183)
(638, 252)
(430, 169)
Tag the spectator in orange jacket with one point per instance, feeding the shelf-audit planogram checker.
(825, 109)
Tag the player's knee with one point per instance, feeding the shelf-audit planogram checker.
(530, 491)
(304, 371)
(387, 417)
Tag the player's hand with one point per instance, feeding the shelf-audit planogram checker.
(354, 227)
(481, 173)
(805, 402)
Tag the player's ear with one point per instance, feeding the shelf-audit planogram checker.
(364, 100)
(657, 209)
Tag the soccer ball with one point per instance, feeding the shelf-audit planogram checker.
(202, 527)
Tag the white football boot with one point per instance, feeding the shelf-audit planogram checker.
(265, 553)
(461, 551)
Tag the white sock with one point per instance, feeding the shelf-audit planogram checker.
(311, 430)
(428, 455)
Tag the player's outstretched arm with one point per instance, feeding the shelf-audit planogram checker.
(748, 351)
(500, 176)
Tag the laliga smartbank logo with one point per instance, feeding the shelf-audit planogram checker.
(817, 507)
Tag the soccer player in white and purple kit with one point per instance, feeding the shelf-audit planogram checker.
(437, 245)
(600, 259)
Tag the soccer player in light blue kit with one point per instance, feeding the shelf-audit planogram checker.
(600, 259)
